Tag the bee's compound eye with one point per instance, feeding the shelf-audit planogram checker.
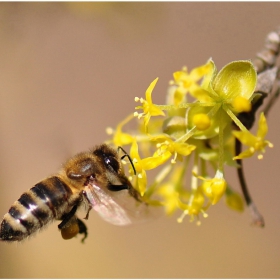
(111, 162)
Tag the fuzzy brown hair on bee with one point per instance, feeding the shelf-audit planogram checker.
(95, 179)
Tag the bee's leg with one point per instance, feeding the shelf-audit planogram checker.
(117, 188)
(67, 217)
(74, 227)
(82, 229)
(89, 203)
(132, 191)
(71, 225)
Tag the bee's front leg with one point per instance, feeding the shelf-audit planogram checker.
(117, 188)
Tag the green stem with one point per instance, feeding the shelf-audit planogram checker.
(184, 105)
(221, 145)
(235, 119)
(181, 177)
(186, 136)
(203, 167)
(126, 120)
(159, 178)
(194, 180)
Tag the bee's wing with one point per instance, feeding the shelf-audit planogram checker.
(118, 208)
(105, 206)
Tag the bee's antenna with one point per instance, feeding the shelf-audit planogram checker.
(129, 158)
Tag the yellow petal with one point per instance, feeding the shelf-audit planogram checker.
(246, 154)
(153, 162)
(134, 151)
(142, 182)
(122, 139)
(208, 78)
(245, 137)
(198, 72)
(263, 128)
(180, 76)
(155, 111)
(183, 148)
(150, 89)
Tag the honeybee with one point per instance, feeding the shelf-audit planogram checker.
(95, 179)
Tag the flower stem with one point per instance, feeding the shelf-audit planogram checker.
(159, 178)
(194, 179)
(185, 105)
(221, 145)
(235, 119)
(241, 176)
(257, 217)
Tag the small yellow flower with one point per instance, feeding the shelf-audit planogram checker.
(214, 188)
(119, 137)
(166, 144)
(255, 143)
(141, 165)
(194, 207)
(187, 82)
(170, 196)
(172, 190)
(196, 203)
(149, 109)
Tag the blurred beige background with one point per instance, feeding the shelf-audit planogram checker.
(67, 71)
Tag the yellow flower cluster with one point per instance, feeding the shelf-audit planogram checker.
(192, 136)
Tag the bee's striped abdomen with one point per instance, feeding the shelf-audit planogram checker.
(46, 201)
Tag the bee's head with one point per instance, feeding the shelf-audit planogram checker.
(108, 157)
